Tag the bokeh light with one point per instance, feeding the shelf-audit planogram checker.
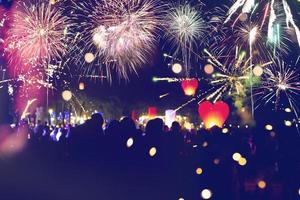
(236, 156)
(288, 123)
(242, 161)
(269, 127)
(206, 194)
(89, 57)
(199, 171)
(176, 68)
(66, 95)
(258, 71)
(129, 142)
(225, 130)
(209, 69)
(262, 184)
(152, 151)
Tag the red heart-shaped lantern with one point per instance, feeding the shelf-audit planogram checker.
(189, 86)
(213, 114)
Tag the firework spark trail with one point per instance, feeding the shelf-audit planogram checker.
(121, 34)
(233, 9)
(290, 20)
(25, 112)
(185, 27)
(274, 10)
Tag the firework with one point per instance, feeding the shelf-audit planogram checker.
(279, 80)
(37, 33)
(116, 35)
(275, 11)
(185, 28)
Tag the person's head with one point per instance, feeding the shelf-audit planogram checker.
(97, 120)
(127, 124)
(175, 127)
(154, 125)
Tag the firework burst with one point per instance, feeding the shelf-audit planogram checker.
(279, 80)
(185, 28)
(37, 33)
(273, 15)
(118, 35)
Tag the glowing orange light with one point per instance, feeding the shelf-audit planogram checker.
(213, 114)
(189, 86)
(262, 184)
(81, 86)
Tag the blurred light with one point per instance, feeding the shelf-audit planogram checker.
(288, 110)
(273, 134)
(253, 34)
(50, 111)
(209, 69)
(236, 156)
(129, 142)
(81, 86)
(287, 123)
(176, 68)
(242, 161)
(261, 184)
(258, 71)
(299, 191)
(52, 2)
(181, 198)
(89, 57)
(243, 17)
(67, 95)
(152, 151)
(206, 194)
(199, 171)
(269, 127)
(204, 144)
(216, 161)
(225, 130)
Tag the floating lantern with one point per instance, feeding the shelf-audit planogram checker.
(152, 112)
(213, 114)
(170, 117)
(189, 86)
(81, 86)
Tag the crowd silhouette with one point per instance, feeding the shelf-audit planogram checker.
(126, 161)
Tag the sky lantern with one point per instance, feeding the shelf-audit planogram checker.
(152, 112)
(170, 117)
(189, 86)
(213, 114)
(81, 86)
